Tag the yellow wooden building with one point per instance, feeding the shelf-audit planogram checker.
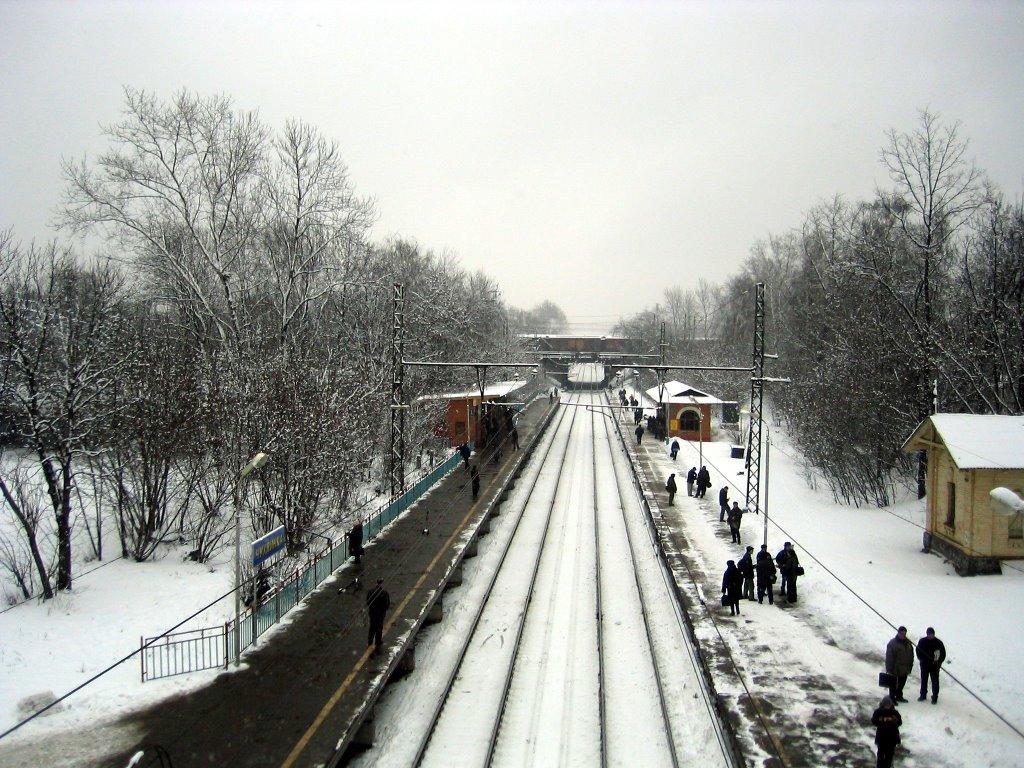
(968, 456)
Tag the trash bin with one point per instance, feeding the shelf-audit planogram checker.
(736, 451)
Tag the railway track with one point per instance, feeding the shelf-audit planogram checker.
(576, 653)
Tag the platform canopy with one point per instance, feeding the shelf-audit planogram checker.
(497, 389)
(974, 441)
(678, 392)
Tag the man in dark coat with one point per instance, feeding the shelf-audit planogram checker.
(735, 519)
(723, 503)
(931, 652)
(781, 559)
(691, 478)
(377, 603)
(746, 566)
(464, 453)
(355, 541)
(732, 586)
(515, 438)
(670, 486)
(638, 414)
(475, 473)
(765, 568)
(795, 571)
(639, 433)
(703, 482)
(887, 722)
(899, 661)
(674, 450)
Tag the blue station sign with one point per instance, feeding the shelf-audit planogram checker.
(267, 546)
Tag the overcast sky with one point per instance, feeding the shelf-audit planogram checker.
(590, 153)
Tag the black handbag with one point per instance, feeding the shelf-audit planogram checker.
(725, 600)
(885, 680)
(799, 570)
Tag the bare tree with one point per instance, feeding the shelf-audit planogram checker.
(57, 325)
(937, 189)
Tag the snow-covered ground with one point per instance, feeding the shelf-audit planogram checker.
(862, 565)
(56, 645)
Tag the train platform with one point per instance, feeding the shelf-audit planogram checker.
(305, 695)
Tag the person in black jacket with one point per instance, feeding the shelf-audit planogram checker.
(639, 432)
(735, 519)
(464, 453)
(931, 652)
(765, 568)
(475, 473)
(723, 503)
(732, 586)
(355, 542)
(514, 434)
(691, 478)
(887, 722)
(703, 482)
(377, 603)
(746, 566)
(671, 487)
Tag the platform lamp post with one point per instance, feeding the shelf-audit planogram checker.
(251, 466)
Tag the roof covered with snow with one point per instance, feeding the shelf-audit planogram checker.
(498, 389)
(974, 441)
(678, 392)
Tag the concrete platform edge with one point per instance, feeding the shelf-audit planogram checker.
(347, 738)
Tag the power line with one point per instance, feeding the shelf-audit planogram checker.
(870, 607)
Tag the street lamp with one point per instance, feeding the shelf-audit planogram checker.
(251, 466)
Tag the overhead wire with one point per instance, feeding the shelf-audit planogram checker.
(864, 601)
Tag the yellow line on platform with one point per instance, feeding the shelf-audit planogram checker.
(331, 702)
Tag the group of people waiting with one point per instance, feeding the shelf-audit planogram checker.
(899, 663)
(739, 579)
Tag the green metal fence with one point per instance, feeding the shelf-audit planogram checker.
(261, 617)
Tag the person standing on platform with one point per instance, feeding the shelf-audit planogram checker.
(377, 603)
(703, 482)
(899, 662)
(515, 438)
(723, 503)
(735, 519)
(691, 478)
(670, 486)
(464, 453)
(887, 722)
(475, 474)
(355, 542)
(639, 433)
(674, 451)
(746, 566)
(781, 558)
(765, 568)
(732, 585)
(931, 652)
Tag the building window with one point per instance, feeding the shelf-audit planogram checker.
(951, 505)
(1017, 527)
(689, 421)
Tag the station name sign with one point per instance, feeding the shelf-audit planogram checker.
(267, 546)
